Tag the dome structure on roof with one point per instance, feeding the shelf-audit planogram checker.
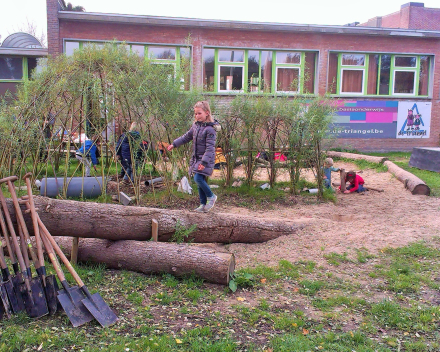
(21, 40)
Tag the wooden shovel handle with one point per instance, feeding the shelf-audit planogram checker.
(58, 250)
(52, 257)
(2, 257)
(6, 236)
(34, 218)
(12, 231)
(9, 179)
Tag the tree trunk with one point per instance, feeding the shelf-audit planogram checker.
(410, 181)
(117, 222)
(343, 183)
(371, 159)
(155, 258)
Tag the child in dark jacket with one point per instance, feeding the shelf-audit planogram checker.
(203, 133)
(129, 146)
(87, 154)
(356, 183)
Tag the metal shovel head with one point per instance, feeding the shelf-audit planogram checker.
(51, 294)
(72, 304)
(35, 300)
(6, 307)
(100, 310)
(17, 281)
(13, 296)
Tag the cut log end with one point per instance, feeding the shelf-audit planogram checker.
(421, 190)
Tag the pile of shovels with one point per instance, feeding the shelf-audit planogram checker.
(40, 295)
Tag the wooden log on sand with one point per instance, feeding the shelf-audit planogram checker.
(371, 159)
(411, 182)
(117, 222)
(155, 257)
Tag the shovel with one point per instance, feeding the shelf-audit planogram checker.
(12, 283)
(48, 283)
(32, 290)
(70, 298)
(5, 308)
(7, 287)
(94, 303)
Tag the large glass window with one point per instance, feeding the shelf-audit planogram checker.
(381, 74)
(138, 50)
(258, 71)
(231, 78)
(70, 47)
(11, 68)
(32, 65)
(208, 69)
(162, 53)
(231, 55)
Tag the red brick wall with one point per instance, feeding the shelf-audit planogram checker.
(53, 36)
(424, 18)
(391, 21)
(282, 40)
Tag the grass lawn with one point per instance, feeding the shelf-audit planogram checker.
(383, 302)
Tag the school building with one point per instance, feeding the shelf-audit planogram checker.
(384, 73)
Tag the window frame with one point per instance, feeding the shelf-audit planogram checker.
(258, 87)
(176, 62)
(392, 74)
(24, 67)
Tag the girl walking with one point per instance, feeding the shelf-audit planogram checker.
(203, 133)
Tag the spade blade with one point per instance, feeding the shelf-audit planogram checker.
(5, 302)
(51, 294)
(77, 313)
(13, 296)
(100, 310)
(35, 300)
(17, 282)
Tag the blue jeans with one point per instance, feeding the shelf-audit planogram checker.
(359, 190)
(126, 166)
(203, 187)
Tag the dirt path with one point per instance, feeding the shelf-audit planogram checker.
(372, 221)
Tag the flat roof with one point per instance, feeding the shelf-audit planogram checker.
(242, 25)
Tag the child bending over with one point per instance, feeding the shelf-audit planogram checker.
(356, 183)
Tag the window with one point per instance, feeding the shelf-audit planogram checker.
(11, 68)
(405, 68)
(379, 74)
(70, 47)
(259, 71)
(288, 69)
(352, 73)
(175, 60)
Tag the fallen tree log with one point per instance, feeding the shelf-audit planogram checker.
(155, 258)
(371, 159)
(411, 182)
(117, 222)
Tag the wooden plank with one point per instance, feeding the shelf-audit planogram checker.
(74, 252)
(154, 229)
(425, 159)
(343, 186)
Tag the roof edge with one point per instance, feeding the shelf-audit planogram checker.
(244, 25)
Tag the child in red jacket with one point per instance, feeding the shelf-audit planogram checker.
(356, 182)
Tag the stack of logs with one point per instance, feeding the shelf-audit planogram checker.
(121, 237)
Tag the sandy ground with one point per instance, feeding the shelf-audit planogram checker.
(372, 221)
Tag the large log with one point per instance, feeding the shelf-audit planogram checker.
(155, 257)
(371, 159)
(410, 181)
(117, 222)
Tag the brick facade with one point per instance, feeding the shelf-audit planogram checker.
(249, 37)
(413, 15)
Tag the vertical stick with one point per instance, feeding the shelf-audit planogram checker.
(74, 252)
(342, 173)
(154, 229)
